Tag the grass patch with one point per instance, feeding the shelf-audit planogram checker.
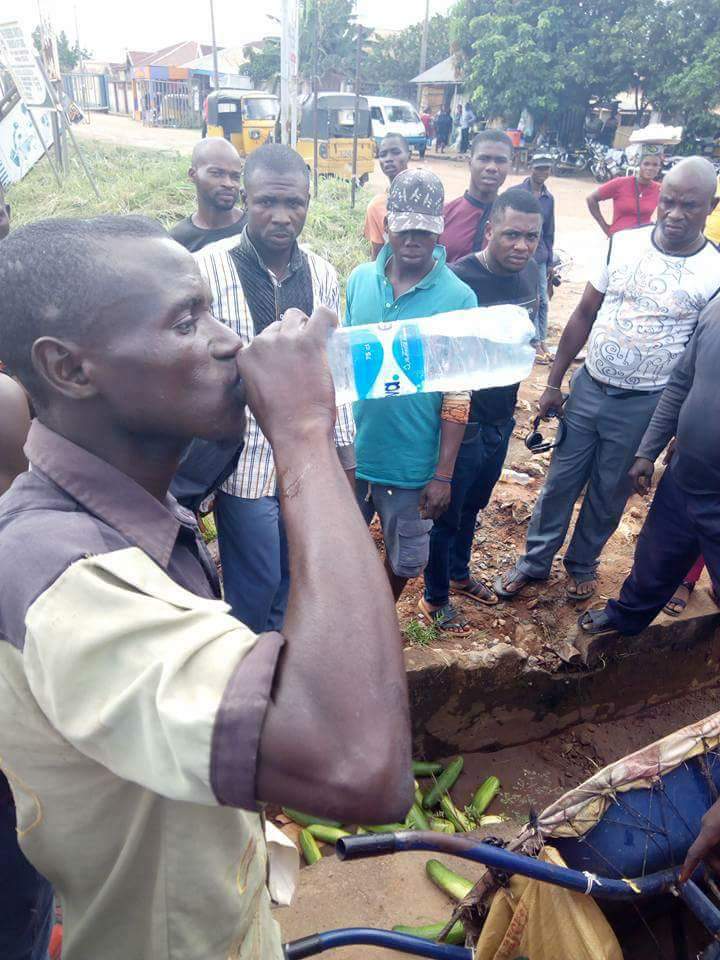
(420, 634)
(154, 183)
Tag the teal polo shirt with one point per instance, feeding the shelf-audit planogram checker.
(398, 438)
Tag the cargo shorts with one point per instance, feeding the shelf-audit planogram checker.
(405, 534)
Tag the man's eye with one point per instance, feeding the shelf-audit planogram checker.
(186, 327)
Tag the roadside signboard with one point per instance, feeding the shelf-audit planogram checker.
(18, 55)
(20, 146)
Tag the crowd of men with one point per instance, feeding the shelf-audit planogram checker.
(143, 720)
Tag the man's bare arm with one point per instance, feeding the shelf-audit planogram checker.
(572, 340)
(336, 738)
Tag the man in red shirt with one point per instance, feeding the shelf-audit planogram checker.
(465, 218)
(634, 198)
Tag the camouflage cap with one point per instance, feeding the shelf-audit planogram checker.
(415, 202)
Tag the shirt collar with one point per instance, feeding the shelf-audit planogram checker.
(527, 183)
(430, 278)
(480, 204)
(109, 494)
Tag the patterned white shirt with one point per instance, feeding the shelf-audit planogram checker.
(255, 474)
(651, 308)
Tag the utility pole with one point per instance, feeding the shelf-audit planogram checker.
(216, 75)
(423, 46)
(353, 182)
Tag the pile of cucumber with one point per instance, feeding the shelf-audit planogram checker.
(433, 810)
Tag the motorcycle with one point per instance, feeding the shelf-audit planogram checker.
(607, 163)
(571, 161)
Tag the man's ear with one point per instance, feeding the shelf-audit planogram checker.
(61, 366)
(243, 197)
(714, 203)
(192, 174)
(488, 231)
(385, 226)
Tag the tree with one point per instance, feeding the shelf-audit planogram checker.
(68, 56)
(333, 24)
(547, 55)
(262, 63)
(395, 59)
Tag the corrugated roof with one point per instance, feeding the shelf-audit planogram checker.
(444, 72)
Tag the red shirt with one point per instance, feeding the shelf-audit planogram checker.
(626, 194)
(464, 218)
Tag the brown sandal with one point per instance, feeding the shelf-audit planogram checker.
(475, 590)
(446, 619)
(573, 595)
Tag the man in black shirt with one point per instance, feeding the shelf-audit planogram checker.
(503, 272)
(216, 171)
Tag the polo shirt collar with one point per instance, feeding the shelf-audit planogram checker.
(430, 278)
(109, 494)
(480, 204)
(527, 183)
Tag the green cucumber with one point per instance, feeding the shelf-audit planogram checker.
(484, 795)
(384, 827)
(431, 931)
(326, 834)
(426, 768)
(455, 886)
(309, 847)
(305, 819)
(443, 783)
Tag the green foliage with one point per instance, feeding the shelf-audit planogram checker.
(420, 634)
(333, 24)
(68, 56)
(546, 56)
(394, 60)
(155, 183)
(551, 56)
(262, 63)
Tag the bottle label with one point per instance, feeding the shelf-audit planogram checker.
(387, 361)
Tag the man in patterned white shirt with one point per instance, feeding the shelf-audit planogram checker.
(637, 314)
(253, 281)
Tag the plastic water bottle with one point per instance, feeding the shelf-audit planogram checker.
(460, 350)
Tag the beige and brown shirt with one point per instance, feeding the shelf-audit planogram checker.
(131, 707)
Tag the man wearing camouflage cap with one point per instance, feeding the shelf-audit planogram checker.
(406, 446)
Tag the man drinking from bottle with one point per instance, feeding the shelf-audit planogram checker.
(503, 272)
(406, 446)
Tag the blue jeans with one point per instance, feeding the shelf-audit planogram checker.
(604, 427)
(26, 897)
(541, 317)
(477, 469)
(254, 555)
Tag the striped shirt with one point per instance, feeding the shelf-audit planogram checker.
(255, 474)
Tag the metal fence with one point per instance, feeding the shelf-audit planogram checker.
(88, 90)
(169, 103)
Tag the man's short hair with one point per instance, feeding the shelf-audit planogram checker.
(515, 199)
(490, 136)
(54, 277)
(275, 158)
(396, 136)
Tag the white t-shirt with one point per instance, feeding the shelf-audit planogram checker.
(651, 308)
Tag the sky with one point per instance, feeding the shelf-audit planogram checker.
(109, 29)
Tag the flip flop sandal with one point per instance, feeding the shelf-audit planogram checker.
(579, 597)
(511, 577)
(595, 623)
(675, 606)
(475, 590)
(447, 619)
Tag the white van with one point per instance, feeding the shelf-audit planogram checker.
(397, 116)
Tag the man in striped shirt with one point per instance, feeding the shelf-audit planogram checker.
(254, 280)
